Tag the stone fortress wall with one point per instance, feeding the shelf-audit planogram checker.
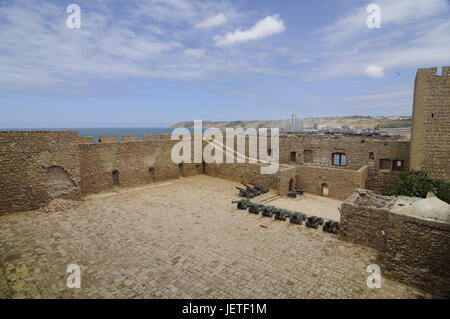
(30, 161)
(430, 135)
(313, 155)
(36, 167)
(412, 249)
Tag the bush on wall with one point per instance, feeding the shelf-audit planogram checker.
(418, 184)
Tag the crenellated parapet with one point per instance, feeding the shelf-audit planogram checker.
(107, 139)
(149, 137)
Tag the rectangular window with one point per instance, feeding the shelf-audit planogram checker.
(371, 155)
(293, 157)
(308, 156)
(343, 159)
(339, 159)
(336, 159)
(398, 165)
(385, 164)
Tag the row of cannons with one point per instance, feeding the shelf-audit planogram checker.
(250, 192)
(282, 214)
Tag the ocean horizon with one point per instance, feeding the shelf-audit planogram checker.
(102, 131)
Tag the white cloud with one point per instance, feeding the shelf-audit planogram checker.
(243, 94)
(194, 52)
(266, 27)
(38, 51)
(414, 34)
(377, 96)
(213, 21)
(393, 13)
(374, 71)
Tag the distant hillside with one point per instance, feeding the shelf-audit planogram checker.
(358, 122)
(352, 122)
(231, 124)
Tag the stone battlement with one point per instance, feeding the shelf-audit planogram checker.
(433, 72)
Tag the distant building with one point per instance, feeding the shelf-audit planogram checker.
(293, 122)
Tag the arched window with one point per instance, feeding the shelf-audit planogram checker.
(324, 190)
(291, 185)
(115, 179)
(151, 175)
(180, 170)
(293, 157)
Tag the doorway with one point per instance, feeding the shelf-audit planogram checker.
(325, 190)
(151, 175)
(180, 170)
(291, 185)
(115, 179)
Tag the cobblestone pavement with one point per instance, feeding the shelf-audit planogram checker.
(179, 239)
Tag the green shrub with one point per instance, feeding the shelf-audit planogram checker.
(443, 190)
(418, 184)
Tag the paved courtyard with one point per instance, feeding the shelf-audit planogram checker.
(179, 239)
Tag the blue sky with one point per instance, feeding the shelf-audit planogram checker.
(150, 63)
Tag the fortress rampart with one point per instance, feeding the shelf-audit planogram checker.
(42, 165)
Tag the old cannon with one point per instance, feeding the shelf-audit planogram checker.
(331, 227)
(314, 222)
(296, 218)
(292, 194)
(262, 189)
(245, 193)
(253, 190)
(255, 208)
(242, 203)
(268, 211)
(281, 214)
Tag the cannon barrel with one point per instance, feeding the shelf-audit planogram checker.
(253, 189)
(242, 203)
(260, 188)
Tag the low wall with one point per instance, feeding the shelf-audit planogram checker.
(85, 139)
(413, 250)
(132, 161)
(251, 173)
(107, 139)
(341, 182)
(130, 138)
(149, 137)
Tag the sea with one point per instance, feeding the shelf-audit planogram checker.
(97, 132)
